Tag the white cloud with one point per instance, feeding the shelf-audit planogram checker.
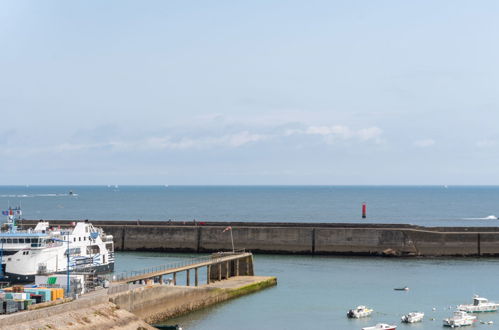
(218, 137)
(332, 134)
(425, 143)
(369, 133)
(234, 140)
(486, 143)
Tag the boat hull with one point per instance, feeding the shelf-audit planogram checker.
(24, 278)
(458, 323)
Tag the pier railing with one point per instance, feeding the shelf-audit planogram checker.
(216, 257)
(173, 266)
(183, 263)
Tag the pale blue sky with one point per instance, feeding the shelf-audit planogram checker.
(249, 92)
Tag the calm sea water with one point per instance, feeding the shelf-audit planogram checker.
(313, 292)
(425, 205)
(316, 292)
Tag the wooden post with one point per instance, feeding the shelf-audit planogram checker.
(187, 280)
(237, 267)
(195, 277)
(227, 270)
(174, 278)
(220, 271)
(208, 273)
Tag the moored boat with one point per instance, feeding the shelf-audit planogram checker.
(413, 317)
(459, 319)
(360, 311)
(381, 326)
(480, 304)
(48, 250)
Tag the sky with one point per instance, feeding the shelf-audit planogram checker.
(260, 92)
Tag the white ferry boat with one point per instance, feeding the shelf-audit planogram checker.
(44, 250)
(459, 319)
(413, 317)
(360, 311)
(480, 304)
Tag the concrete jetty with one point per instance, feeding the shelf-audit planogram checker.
(160, 302)
(134, 301)
(299, 238)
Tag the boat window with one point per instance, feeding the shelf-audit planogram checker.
(9, 240)
(74, 239)
(84, 238)
(79, 239)
(93, 249)
(73, 252)
(15, 240)
(2, 240)
(109, 247)
(21, 240)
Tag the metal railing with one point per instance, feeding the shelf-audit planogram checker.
(216, 257)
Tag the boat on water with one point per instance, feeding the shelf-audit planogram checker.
(479, 305)
(459, 319)
(360, 311)
(413, 317)
(44, 249)
(381, 326)
(405, 288)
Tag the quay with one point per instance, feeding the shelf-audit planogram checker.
(135, 300)
(362, 239)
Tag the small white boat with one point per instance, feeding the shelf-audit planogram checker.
(360, 311)
(459, 319)
(480, 304)
(381, 326)
(413, 317)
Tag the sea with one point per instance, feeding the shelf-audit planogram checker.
(313, 292)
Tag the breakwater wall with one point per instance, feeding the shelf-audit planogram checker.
(299, 238)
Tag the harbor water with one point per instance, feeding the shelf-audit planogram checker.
(316, 292)
(313, 292)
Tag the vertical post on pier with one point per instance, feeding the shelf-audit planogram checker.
(208, 273)
(220, 271)
(187, 279)
(174, 278)
(227, 270)
(237, 267)
(195, 277)
(364, 210)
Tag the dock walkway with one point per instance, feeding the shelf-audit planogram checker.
(219, 266)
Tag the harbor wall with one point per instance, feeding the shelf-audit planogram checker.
(300, 238)
(160, 302)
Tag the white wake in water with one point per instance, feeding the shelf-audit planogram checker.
(490, 217)
(38, 195)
